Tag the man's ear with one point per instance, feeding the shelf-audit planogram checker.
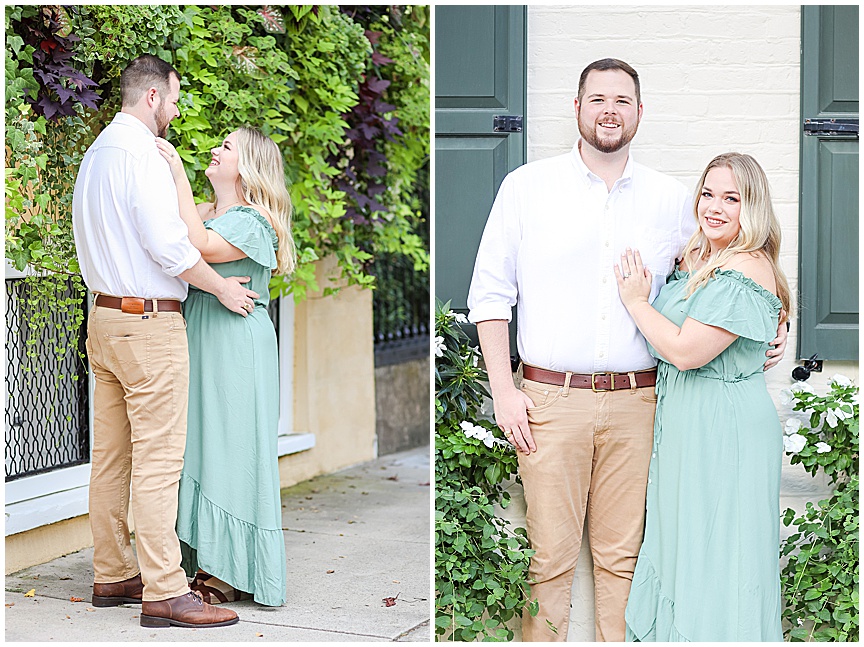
(151, 95)
(576, 106)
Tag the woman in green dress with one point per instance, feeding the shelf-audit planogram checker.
(708, 569)
(229, 519)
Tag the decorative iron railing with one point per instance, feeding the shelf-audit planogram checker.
(400, 312)
(47, 395)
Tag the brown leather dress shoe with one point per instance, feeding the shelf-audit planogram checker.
(187, 610)
(117, 593)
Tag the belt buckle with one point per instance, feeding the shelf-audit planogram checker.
(611, 382)
(594, 385)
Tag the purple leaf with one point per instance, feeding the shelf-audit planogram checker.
(380, 59)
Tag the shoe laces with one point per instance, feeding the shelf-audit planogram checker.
(196, 595)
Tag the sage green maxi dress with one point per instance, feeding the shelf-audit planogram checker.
(229, 519)
(709, 569)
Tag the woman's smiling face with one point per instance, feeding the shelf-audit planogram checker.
(719, 208)
(224, 159)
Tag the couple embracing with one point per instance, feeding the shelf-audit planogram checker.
(644, 321)
(186, 397)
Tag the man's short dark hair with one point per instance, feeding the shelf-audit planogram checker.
(145, 72)
(610, 64)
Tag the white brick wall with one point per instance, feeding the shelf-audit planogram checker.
(714, 79)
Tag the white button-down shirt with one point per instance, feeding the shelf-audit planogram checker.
(128, 232)
(553, 237)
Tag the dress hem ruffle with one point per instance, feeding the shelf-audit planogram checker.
(650, 615)
(232, 537)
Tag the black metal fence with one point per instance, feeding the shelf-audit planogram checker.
(400, 312)
(47, 411)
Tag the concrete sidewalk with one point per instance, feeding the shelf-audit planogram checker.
(352, 539)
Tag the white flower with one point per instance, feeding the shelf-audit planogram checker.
(840, 380)
(800, 622)
(471, 430)
(792, 426)
(440, 347)
(794, 443)
(841, 414)
(821, 448)
(786, 397)
(801, 386)
(489, 440)
(460, 317)
(831, 418)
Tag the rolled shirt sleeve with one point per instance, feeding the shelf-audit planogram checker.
(493, 288)
(155, 212)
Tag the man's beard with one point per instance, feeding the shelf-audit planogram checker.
(162, 121)
(607, 145)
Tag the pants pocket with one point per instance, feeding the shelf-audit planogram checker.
(542, 395)
(131, 354)
(648, 395)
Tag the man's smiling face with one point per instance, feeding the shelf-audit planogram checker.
(608, 112)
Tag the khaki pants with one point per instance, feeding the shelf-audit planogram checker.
(141, 369)
(593, 451)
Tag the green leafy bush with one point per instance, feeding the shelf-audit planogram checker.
(820, 580)
(481, 563)
(293, 75)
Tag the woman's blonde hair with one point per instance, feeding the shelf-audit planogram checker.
(759, 227)
(262, 182)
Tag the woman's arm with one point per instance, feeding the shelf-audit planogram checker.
(692, 345)
(213, 248)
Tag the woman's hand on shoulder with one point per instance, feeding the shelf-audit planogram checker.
(755, 266)
(167, 150)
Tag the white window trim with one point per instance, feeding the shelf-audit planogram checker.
(289, 441)
(43, 499)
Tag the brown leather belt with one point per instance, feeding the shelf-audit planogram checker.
(135, 305)
(593, 381)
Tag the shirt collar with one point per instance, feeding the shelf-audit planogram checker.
(125, 119)
(588, 176)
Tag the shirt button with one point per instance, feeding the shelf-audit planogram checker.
(602, 354)
(604, 279)
(654, 455)
(603, 317)
(649, 481)
(607, 207)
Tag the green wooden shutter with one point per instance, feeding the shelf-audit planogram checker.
(828, 211)
(480, 58)
(480, 72)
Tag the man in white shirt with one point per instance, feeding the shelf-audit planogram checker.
(135, 255)
(582, 421)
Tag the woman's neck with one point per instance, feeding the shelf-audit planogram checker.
(225, 197)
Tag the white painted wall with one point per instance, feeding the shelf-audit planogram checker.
(714, 79)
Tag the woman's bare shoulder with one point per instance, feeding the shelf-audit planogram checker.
(264, 212)
(205, 209)
(755, 266)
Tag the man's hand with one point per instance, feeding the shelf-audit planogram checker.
(235, 297)
(778, 346)
(512, 418)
